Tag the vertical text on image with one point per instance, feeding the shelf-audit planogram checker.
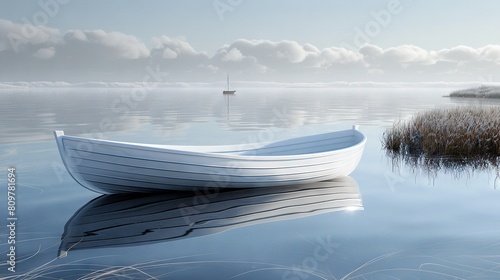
(11, 218)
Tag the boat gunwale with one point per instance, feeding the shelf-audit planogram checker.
(223, 155)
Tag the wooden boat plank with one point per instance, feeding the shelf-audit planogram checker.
(91, 166)
(205, 182)
(168, 163)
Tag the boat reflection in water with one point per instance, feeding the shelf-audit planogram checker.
(135, 219)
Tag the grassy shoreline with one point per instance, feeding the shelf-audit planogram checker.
(477, 92)
(448, 137)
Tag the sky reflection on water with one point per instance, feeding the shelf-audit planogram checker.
(438, 227)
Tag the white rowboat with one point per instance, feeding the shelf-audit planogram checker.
(115, 167)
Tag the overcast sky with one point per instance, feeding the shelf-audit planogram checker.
(252, 40)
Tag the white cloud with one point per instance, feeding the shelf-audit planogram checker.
(371, 51)
(490, 52)
(212, 69)
(21, 37)
(264, 56)
(168, 53)
(76, 35)
(459, 54)
(177, 45)
(45, 53)
(233, 55)
(282, 51)
(310, 48)
(335, 55)
(409, 54)
(397, 57)
(291, 51)
(117, 45)
(98, 55)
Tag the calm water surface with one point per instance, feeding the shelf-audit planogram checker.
(412, 226)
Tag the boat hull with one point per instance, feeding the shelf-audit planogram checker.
(116, 167)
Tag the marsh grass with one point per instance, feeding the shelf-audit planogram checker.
(478, 92)
(449, 138)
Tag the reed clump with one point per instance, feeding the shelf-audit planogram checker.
(466, 135)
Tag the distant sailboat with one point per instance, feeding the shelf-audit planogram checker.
(228, 91)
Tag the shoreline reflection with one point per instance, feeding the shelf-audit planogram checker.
(457, 166)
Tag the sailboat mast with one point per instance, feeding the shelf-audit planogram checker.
(228, 90)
